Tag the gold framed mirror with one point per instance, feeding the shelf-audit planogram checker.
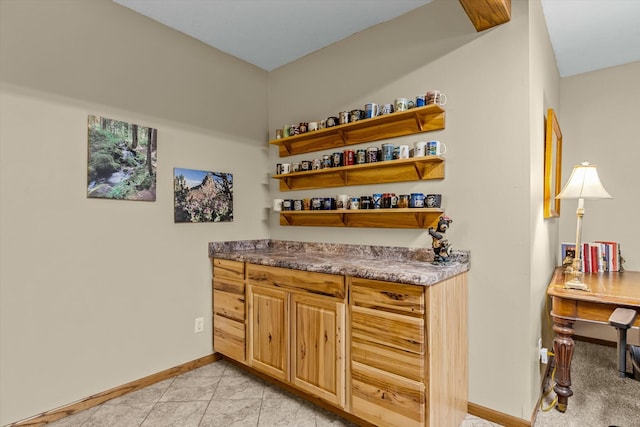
(552, 165)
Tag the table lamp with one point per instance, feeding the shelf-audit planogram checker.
(583, 183)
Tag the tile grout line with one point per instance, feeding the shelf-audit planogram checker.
(213, 395)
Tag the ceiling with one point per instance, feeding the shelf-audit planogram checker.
(586, 35)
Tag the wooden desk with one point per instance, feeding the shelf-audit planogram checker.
(607, 292)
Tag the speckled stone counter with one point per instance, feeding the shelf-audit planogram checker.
(387, 263)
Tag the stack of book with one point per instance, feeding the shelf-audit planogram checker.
(599, 256)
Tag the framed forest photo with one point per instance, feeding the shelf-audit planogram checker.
(202, 196)
(552, 165)
(121, 161)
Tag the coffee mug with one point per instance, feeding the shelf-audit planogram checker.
(277, 204)
(420, 149)
(329, 204)
(355, 115)
(416, 200)
(377, 201)
(387, 151)
(297, 205)
(400, 104)
(386, 109)
(316, 203)
(366, 202)
(285, 168)
(403, 200)
(433, 201)
(342, 201)
(336, 159)
(436, 148)
(420, 100)
(372, 155)
(354, 203)
(435, 97)
(344, 117)
(332, 121)
(371, 110)
(312, 126)
(287, 205)
(403, 152)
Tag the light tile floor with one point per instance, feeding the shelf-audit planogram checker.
(218, 394)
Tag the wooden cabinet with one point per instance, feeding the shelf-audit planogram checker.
(388, 352)
(413, 121)
(229, 319)
(391, 354)
(409, 352)
(297, 329)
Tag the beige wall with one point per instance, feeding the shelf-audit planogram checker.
(488, 185)
(116, 285)
(97, 293)
(544, 93)
(599, 124)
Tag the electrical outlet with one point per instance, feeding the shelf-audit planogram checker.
(544, 355)
(199, 325)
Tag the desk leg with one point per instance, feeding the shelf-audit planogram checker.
(563, 350)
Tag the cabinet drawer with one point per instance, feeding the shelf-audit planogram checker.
(229, 305)
(388, 296)
(228, 269)
(305, 281)
(385, 399)
(227, 285)
(388, 341)
(229, 337)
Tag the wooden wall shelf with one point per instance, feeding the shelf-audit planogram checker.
(374, 218)
(416, 120)
(413, 169)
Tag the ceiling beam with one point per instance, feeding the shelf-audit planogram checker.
(486, 14)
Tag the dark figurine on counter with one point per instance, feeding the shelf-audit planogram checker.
(441, 246)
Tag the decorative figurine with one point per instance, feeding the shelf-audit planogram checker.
(440, 244)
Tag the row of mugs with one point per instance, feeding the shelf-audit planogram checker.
(361, 156)
(371, 110)
(344, 201)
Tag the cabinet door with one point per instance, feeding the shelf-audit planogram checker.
(268, 331)
(318, 344)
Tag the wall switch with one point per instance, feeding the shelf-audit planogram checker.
(199, 325)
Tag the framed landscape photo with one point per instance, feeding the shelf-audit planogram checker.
(552, 165)
(121, 160)
(202, 196)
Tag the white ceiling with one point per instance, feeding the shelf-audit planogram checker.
(586, 35)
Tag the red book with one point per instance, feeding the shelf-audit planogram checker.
(586, 258)
(614, 255)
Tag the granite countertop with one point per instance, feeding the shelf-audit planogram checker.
(387, 263)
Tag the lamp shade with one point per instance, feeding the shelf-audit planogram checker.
(584, 183)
